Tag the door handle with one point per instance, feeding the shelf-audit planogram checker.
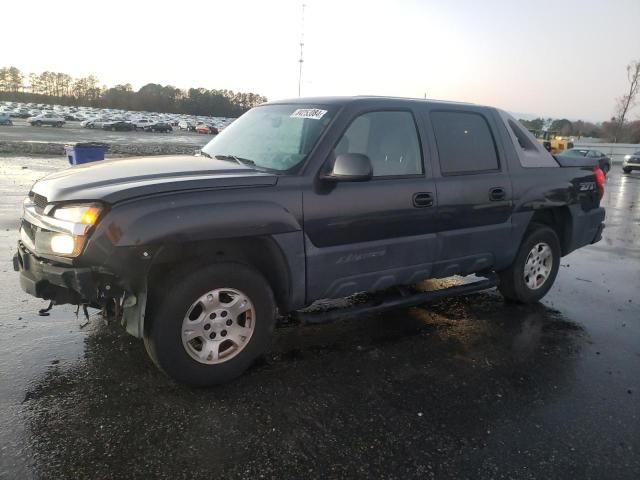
(496, 194)
(423, 199)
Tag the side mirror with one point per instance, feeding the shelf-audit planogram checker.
(350, 167)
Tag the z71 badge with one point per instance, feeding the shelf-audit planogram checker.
(587, 186)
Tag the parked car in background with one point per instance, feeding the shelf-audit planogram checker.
(48, 118)
(602, 160)
(141, 123)
(119, 125)
(206, 128)
(631, 162)
(162, 127)
(20, 113)
(187, 125)
(5, 119)
(100, 122)
(91, 117)
(88, 123)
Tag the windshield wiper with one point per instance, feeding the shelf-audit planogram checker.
(246, 163)
(242, 161)
(205, 154)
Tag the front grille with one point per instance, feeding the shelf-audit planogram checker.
(39, 201)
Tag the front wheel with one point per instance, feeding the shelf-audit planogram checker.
(535, 267)
(626, 170)
(208, 327)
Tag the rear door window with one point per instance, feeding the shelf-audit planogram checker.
(465, 143)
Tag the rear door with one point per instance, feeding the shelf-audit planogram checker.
(363, 236)
(474, 190)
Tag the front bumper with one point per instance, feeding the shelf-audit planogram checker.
(61, 284)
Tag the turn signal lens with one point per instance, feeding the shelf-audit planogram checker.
(85, 214)
(90, 217)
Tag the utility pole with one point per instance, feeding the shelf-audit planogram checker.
(301, 61)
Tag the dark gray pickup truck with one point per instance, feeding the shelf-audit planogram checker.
(302, 200)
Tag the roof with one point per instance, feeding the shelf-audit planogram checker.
(336, 100)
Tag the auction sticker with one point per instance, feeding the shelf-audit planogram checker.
(313, 113)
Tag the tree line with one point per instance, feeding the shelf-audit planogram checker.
(611, 130)
(62, 89)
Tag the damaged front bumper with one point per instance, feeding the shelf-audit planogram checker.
(60, 284)
(79, 286)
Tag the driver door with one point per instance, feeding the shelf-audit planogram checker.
(370, 235)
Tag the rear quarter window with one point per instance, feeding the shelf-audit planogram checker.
(465, 143)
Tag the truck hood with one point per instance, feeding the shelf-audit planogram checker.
(113, 181)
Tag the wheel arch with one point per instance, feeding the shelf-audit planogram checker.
(560, 220)
(174, 261)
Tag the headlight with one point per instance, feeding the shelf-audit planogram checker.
(63, 244)
(84, 214)
(61, 230)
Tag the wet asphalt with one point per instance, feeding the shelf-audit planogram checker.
(463, 388)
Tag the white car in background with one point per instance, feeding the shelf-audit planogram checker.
(140, 123)
(99, 122)
(88, 123)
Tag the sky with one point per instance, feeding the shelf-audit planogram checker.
(563, 58)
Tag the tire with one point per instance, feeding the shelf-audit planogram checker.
(518, 287)
(189, 297)
(37, 124)
(626, 170)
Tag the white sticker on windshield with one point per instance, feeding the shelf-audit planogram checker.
(313, 113)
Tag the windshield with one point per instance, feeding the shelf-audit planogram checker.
(274, 137)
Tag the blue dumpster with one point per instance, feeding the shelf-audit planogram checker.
(85, 152)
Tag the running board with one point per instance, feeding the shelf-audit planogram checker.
(399, 302)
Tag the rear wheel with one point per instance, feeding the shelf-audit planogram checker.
(212, 325)
(535, 267)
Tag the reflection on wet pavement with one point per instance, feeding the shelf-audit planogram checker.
(351, 391)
